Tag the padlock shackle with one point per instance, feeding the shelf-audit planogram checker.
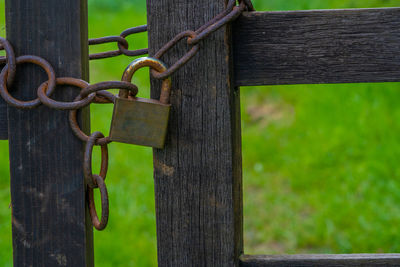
(153, 63)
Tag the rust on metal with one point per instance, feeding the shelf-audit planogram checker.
(122, 43)
(154, 64)
(96, 181)
(236, 11)
(135, 120)
(87, 160)
(126, 33)
(32, 103)
(9, 59)
(228, 9)
(182, 61)
(109, 85)
(109, 39)
(64, 105)
(76, 129)
(99, 224)
(142, 121)
(193, 38)
(103, 97)
(249, 5)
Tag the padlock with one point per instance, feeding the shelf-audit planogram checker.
(141, 121)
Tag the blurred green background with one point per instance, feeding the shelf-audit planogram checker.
(321, 162)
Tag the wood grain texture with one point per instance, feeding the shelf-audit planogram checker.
(322, 46)
(336, 260)
(3, 119)
(49, 220)
(198, 174)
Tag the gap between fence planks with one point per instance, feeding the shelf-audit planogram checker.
(318, 46)
(50, 225)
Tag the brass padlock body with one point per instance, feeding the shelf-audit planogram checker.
(140, 121)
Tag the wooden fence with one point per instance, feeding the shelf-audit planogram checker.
(198, 176)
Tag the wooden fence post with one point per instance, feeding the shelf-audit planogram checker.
(50, 223)
(198, 175)
(3, 114)
(3, 120)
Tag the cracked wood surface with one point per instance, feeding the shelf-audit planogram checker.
(49, 220)
(317, 46)
(198, 174)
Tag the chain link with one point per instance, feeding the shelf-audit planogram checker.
(193, 38)
(96, 93)
(9, 59)
(96, 181)
(231, 13)
(122, 43)
(46, 100)
(32, 103)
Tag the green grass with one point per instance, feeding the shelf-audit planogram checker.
(320, 162)
(321, 169)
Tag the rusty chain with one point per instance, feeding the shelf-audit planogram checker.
(122, 43)
(97, 93)
(231, 13)
(97, 181)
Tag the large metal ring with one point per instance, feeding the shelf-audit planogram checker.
(65, 105)
(99, 224)
(154, 64)
(9, 60)
(33, 103)
(87, 161)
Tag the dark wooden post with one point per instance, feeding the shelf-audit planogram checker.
(198, 175)
(3, 114)
(3, 120)
(50, 226)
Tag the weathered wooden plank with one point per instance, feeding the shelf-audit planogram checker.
(49, 224)
(322, 46)
(3, 109)
(327, 260)
(198, 174)
(3, 120)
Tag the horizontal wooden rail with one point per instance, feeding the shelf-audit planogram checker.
(327, 260)
(321, 46)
